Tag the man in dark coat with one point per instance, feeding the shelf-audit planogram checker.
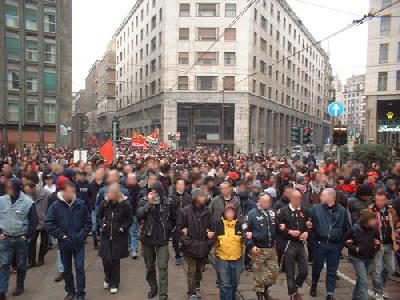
(158, 214)
(68, 220)
(196, 226)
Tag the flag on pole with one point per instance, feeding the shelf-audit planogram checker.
(107, 151)
(139, 141)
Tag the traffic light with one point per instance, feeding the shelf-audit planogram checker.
(115, 130)
(297, 136)
(340, 135)
(307, 135)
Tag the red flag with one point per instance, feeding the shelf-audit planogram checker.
(155, 135)
(107, 151)
(139, 141)
(164, 146)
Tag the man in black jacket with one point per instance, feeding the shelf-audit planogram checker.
(181, 200)
(292, 221)
(158, 214)
(82, 187)
(93, 189)
(196, 227)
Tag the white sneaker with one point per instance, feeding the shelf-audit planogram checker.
(113, 290)
(106, 285)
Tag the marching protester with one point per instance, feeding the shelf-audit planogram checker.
(158, 214)
(329, 222)
(115, 219)
(292, 220)
(229, 252)
(388, 225)
(181, 198)
(363, 242)
(69, 220)
(260, 226)
(197, 235)
(40, 196)
(18, 223)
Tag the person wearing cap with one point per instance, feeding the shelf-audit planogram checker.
(229, 252)
(49, 183)
(18, 221)
(363, 242)
(255, 190)
(388, 226)
(157, 213)
(362, 200)
(260, 227)
(197, 235)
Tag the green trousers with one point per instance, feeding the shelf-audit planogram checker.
(160, 255)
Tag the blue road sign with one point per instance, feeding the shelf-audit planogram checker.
(336, 109)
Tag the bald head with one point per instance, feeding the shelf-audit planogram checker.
(131, 179)
(295, 198)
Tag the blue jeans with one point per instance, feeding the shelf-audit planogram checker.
(384, 267)
(9, 247)
(60, 266)
(362, 268)
(328, 253)
(93, 215)
(79, 258)
(229, 276)
(134, 235)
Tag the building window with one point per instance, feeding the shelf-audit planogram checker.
(207, 58)
(31, 50)
(230, 10)
(263, 45)
(207, 10)
(50, 82)
(153, 22)
(49, 23)
(153, 66)
(31, 19)
(50, 53)
(398, 51)
(184, 10)
(183, 82)
(398, 80)
(206, 83)
(230, 58)
(382, 81)
(385, 3)
(13, 80)
(183, 34)
(385, 25)
(254, 86)
(153, 88)
(153, 44)
(12, 17)
(12, 45)
(32, 112)
(13, 112)
(183, 58)
(262, 66)
(262, 89)
(32, 81)
(264, 23)
(229, 83)
(207, 34)
(49, 113)
(230, 34)
(383, 53)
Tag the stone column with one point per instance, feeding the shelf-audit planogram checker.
(242, 126)
(169, 119)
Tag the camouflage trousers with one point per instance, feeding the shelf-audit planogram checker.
(265, 269)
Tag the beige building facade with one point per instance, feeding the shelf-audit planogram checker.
(186, 66)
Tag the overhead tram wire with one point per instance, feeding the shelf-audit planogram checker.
(364, 19)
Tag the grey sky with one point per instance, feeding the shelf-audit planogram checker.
(95, 21)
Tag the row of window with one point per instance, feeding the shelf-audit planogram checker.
(32, 81)
(208, 58)
(32, 112)
(12, 17)
(147, 91)
(207, 34)
(383, 81)
(13, 46)
(384, 50)
(207, 10)
(207, 83)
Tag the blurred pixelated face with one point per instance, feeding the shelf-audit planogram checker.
(229, 214)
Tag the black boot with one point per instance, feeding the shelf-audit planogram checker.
(2, 296)
(260, 296)
(40, 261)
(266, 294)
(313, 290)
(19, 290)
(329, 297)
(96, 244)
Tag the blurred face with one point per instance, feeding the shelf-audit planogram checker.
(201, 200)
(99, 175)
(152, 178)
(69, 193)
(29, 190)
(327, 198)
(113, 177)
(226, 189)
(180, 186)
(265, 202)
(381, 201)
(112, 195)
(81, 177)
(372, 222)
(49, 181)
(89, 169)
(229, 214)
(397, 168)
(131, 180)
(295, 198)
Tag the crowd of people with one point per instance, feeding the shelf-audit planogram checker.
(255, 213)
